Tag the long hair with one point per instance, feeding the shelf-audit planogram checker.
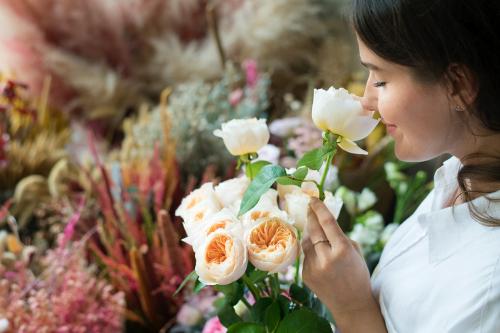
(429, 36)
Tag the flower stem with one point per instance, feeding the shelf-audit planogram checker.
(275, 285)
(297, 261)
(323, 177)
(251, 287)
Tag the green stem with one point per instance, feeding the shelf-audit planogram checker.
(248, 161)
(323, 177)
(297, 261)
(251, 287)
(276, 289)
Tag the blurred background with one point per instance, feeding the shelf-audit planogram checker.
(107, 109)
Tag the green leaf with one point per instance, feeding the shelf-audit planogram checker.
(233, 292)
(253, 169)
(246, 328)
(258, 310)
(314, 159)
(300, 173)
(198, 286)
(257, 276)
(272, 316)
(286, 180)
(228, 316)
(190, 277)
(261, 183)
(299, 294)
(304, 321)
(285, 304)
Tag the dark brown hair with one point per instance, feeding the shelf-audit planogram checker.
(431, 35)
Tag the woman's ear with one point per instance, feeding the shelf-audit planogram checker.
(463, 86)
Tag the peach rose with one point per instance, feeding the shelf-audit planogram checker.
(231, 191)
(223, 220)
(221, 259)
(197, 207)
(272, 245)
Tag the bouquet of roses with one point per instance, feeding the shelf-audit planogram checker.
(244, 232)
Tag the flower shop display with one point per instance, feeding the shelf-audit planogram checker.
(132, 49)
(61, 295)
(240, 235)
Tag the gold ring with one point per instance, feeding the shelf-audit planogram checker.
(320, 241)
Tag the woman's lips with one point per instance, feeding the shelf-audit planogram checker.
(391, 128)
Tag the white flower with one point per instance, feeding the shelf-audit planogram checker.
(341, 113)
(197, 207)
(349, 199)
(285, 127)
(4, 325)
(265, 208)
(388, 232)
(269, 153)
(272, 245)
(231, 191)
(367, 231)
(297, 204)
(306, 187)
(223, 220)
(366, 199)
(222, 259)
(244, 136)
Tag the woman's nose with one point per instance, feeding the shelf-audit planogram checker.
(369, 99)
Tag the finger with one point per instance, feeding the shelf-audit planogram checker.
(307, 245)
(327, 222)
(313, 227)
(317, 236)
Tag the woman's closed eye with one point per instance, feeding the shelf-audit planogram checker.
(378, 84)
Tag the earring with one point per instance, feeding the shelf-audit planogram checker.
(458, 108)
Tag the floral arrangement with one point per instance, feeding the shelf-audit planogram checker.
(132, 50)
(64, 296)
(198, 108)
(242, 238)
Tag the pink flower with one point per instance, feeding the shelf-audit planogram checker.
(235, 97)
(213, 325)
(189, 315)
(252, 74)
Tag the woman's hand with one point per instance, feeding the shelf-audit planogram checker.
(335, 270)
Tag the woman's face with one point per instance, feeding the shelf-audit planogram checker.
(419, 116)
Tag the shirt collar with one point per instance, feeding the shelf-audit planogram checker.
(450, 229)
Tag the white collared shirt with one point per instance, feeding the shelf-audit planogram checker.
(440, 271)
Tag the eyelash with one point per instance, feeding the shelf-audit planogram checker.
(379, 84)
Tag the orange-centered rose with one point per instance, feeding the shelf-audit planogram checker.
(221, 259)
(272, 245)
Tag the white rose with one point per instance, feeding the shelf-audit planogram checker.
(231, 191)
(306, 187)
(223, 220)
(297, 204)
(222, 259)
(272, 245)
(244, 136)
(265, 208)
(341, 113)
(197, 207)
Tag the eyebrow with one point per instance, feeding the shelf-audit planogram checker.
(370, 66)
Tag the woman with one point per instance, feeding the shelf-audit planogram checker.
(434, 77)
